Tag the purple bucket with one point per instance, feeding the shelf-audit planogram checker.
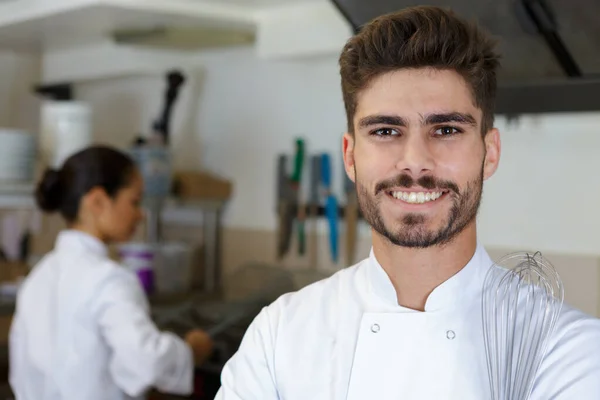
(139, 258)
(146, 277)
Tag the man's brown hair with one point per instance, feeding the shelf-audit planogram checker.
(420, 37)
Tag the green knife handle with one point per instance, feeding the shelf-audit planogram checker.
(298, 161)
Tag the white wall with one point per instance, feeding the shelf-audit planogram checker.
(545, 195)
(252, 110)
(18, 105)
(546, 192)
(124, 108)
(232, 118)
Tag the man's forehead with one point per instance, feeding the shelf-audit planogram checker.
(415, 93)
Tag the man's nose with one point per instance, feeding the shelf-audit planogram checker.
(415, 158)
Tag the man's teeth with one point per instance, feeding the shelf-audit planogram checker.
(417, 197)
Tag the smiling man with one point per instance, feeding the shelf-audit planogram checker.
(405, 323)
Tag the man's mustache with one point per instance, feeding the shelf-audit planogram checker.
(426, 182)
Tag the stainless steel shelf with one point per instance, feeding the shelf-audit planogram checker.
(16, 195)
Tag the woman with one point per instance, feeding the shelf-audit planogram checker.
(81, 328)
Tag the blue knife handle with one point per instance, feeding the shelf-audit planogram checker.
(326, 170)
(331, 209)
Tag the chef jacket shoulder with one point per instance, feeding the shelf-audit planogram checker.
(107, 281)
(577, 335)
(297, 326)
(573, 321)
(571, 367)
(365, 287)
(79, 268)
(322, 298)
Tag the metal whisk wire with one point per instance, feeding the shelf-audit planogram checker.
(522, 298)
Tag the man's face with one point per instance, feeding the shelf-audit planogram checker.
(418, 157)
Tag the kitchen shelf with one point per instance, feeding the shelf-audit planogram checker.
(19, 195)
(16, 195)
(49, 24)
(201, 213)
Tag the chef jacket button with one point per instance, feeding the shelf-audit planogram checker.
(450, 335)
(375, 328)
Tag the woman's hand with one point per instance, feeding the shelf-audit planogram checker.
(201, 343)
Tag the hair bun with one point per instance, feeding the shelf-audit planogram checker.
(49, 192)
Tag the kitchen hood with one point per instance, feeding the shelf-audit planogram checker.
(550, 48)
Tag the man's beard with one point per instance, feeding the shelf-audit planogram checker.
(412, 232)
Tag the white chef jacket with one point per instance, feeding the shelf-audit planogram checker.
(346, 337)
(81, 331)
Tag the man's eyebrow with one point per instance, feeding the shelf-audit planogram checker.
(444, 118)
(381, 120)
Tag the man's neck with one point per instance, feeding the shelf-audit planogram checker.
(416, 272)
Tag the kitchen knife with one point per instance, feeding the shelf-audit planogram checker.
(313, 199)
(331, 207)
(284, 207)
(296, 181)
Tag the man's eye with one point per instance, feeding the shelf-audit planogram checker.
(447, 131)
(385, 132)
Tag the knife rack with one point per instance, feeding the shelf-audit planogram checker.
(295, 208)
(321, 211)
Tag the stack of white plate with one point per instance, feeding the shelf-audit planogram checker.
(17, 155)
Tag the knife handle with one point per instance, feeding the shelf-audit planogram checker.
(175, 80)
(314, 236)
(298, 161)
(332, 216)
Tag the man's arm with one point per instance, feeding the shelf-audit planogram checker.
(571, 370)
(249, 374)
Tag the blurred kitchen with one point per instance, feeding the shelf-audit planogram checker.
(249, 199)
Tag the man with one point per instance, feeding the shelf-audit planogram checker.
(405, 323)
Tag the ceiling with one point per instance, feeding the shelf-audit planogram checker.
(525, 54)
(260, 4)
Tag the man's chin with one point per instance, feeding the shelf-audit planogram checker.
(402, 218)
(413, 236)
(414, 222)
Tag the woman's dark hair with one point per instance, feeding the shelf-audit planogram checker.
(96, 166)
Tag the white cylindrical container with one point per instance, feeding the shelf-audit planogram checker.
(66, 129)
(173, 269)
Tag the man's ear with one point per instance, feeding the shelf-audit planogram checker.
(492, 153)
(348, 142)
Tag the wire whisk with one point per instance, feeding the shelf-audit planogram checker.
(522, 299)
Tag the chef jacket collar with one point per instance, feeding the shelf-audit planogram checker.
(461, 287)
(74, 241)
